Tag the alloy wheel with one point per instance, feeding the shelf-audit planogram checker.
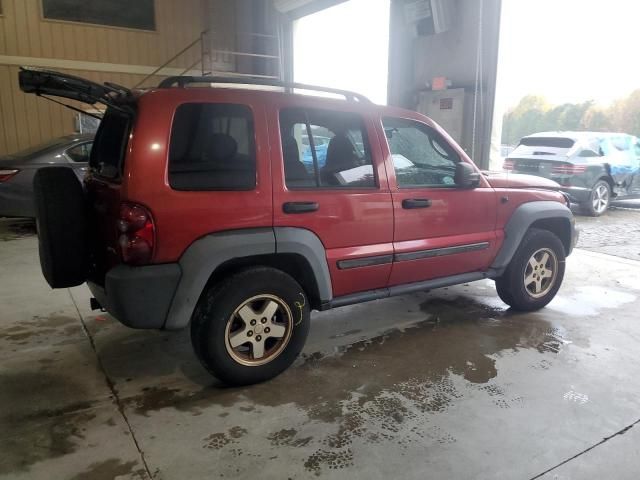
(540, 272)
(600, 198)
(258, 330)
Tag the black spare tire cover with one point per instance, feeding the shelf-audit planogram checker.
(62, 226)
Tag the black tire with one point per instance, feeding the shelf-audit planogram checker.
(216, 308)
(601, 187)
(512, 287)
(61, 222)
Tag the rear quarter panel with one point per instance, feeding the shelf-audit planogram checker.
(181, 217)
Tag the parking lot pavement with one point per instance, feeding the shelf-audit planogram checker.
(617, 232)
(447, 384)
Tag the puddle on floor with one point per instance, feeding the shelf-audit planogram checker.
(380, 390)
(42, 416)
(590, 300)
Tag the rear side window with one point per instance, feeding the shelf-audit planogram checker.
(325, 149)
(212, 148)
(109, 145)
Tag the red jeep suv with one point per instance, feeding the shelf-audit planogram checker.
(213, 205)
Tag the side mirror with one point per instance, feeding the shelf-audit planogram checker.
(466, 176)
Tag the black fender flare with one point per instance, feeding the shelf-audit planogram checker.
(205, 255)
(521, 220)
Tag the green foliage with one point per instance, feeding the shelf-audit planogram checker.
(533, 114)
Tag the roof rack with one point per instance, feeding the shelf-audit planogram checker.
(183, 81)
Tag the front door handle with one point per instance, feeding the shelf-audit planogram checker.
(410, 203)
(300, 207)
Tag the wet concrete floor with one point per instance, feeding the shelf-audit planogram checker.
(447, 384)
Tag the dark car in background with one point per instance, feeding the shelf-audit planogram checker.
(17, 170)
(591, 167)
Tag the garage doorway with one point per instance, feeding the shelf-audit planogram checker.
(345, 46)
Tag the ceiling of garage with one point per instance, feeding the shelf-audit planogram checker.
(301, 8)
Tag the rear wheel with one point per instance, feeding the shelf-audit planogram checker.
(535, 273)
(599, 199)
(251, 326)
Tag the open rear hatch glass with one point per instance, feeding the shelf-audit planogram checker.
(47, 84)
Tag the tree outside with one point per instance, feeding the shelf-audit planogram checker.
(534, 114)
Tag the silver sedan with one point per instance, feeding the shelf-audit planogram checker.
(17, 170)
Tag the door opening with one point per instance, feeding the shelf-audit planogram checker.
(345, 46)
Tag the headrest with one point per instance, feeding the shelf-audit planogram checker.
(221, 147)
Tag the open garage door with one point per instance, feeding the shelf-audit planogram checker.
(355, 56)
(299, 8)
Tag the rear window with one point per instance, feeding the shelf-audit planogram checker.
(107, 154)
(212, 148)
(557, 142)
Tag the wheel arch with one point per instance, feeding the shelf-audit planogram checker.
(545, 215)
(293, 264)
(605, 174)
(298, 252)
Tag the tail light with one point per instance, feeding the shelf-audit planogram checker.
(508, 165)
(137, 234)
(568, 169)
(7, 174)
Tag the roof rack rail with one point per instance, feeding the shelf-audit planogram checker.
(182, 81)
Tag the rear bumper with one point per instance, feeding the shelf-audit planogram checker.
(139, 297)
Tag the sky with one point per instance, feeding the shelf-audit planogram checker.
(345, 46)
(566, 50)
(569, 50)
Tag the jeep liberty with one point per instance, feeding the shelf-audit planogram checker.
(236, 211)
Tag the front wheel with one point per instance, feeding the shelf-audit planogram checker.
(251, 326)
(535, 272)
(599, 199)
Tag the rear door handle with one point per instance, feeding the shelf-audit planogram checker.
(410, 203)
(300, 207)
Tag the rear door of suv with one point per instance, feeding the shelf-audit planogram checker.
(440, 228)
(335, 186)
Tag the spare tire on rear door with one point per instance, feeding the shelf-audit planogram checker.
(62, 226)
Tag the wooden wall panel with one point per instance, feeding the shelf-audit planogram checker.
(26, 120)
(177, 24)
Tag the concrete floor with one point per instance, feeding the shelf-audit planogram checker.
(447, 384)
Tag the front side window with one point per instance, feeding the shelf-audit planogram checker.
(325, 149)
(421, 157)
(212, 148)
